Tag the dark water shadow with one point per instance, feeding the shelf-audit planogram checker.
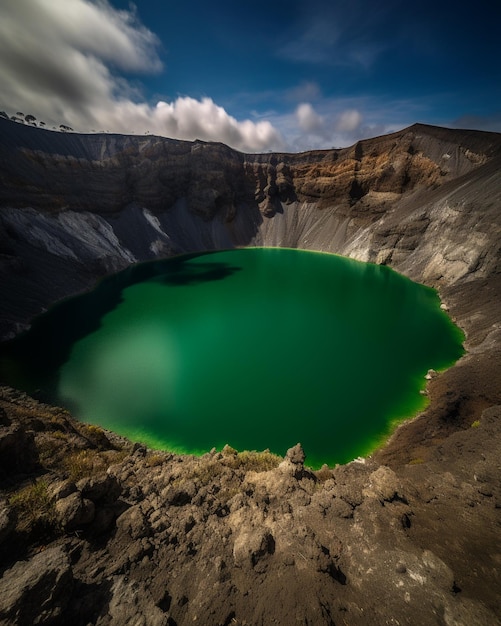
(31, 361)
(181, 274)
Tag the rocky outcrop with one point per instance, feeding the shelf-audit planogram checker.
(245, 537)
(36, 591)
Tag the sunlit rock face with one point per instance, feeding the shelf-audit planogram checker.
(86, 205)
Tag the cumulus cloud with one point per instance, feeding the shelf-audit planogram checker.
(333, 128)
(348, 121)
(188, 118)
(307, 118)
(59, 61)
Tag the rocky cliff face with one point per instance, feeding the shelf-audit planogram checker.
(232, 539)
(77, 206)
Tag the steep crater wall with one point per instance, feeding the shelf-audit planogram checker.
(86, 205)
(424, 200)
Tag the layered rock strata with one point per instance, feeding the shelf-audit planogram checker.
(73, 207)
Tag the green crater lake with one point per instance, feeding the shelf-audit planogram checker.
(256, 348)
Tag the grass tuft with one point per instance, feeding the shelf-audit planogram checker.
(253, 461)
(34, 507)
(83, 464)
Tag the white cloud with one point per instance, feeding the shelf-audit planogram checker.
(338, 122)
(58, 61)
(67, 62)
(348, 121)
(336, 127)
(193, 119)
(99, 29)
(308, 120)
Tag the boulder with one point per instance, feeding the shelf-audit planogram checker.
(133, 522)
(293, 463)
(103, 487)
(252, 546)
(62, 489)
(75, 512)
(384, 485)
(18, 453)
(296, 455)
(36, 591)
(131, 603)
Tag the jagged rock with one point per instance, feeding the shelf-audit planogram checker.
(36, 591)
(383, 485)
(349, 482)
(341, 508)
(18, 453)
(133, 522)
(180, 495)
(75, 512)
(130, 603)
(296, 454)
(293, 463)
(251, 547)
(62, 489)
(97, 488)
(228, 451)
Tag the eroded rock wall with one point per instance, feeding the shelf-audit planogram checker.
(75, 207)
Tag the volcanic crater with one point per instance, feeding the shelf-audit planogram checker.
(94, 529)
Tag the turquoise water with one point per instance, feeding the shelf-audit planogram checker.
(257, 348)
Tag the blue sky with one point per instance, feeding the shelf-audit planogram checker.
(260, 75)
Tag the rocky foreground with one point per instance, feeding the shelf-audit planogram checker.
(96, 530)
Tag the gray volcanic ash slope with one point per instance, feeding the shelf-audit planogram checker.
(412, 532)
